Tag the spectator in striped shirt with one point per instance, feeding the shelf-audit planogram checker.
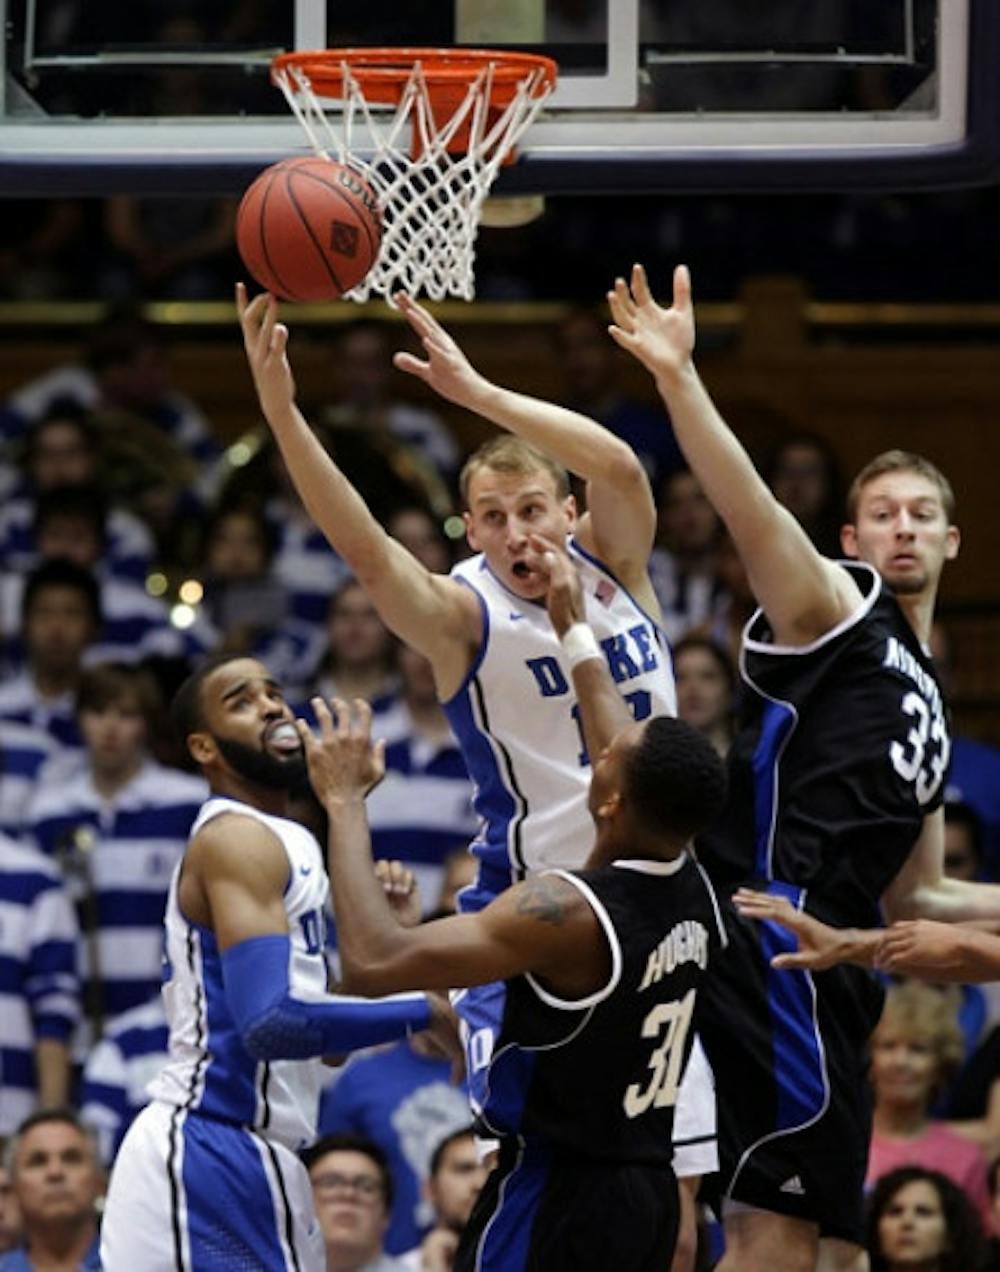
(23, 751)
(60, 616)
(117, 826)
(422, 810)
(118, 1070)
(39, 989)
(70, 525)
(63, 449)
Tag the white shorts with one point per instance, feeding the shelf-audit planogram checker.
(696, 1146)
(194, 1194)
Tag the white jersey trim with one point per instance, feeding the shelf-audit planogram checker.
(599, 995)
(852, 619)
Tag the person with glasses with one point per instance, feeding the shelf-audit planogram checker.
(352, 1193)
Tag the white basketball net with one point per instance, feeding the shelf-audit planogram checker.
(431, 204)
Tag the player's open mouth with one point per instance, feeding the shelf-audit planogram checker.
(522, 570)
(283, 737)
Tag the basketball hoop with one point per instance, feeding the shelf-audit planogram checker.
(462, 112)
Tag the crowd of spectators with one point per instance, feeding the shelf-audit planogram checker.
(96, 803)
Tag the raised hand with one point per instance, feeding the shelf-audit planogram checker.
(265, 341)
(343, 763)
(661, 339)
(401, 891)
(446, 368)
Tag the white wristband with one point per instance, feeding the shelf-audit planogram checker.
(579, 643)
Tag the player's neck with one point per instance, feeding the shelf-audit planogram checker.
(266, 799)
(919, 611)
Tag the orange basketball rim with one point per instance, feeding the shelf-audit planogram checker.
(385, 74)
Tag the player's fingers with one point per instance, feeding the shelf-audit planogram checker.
(411, 364)
(622, 304)
(279, 340)
(792, 962)
(241, 300)
(361, 718)
(341, 718)
(324, 720)
(682, 288)
(624, 338)
(306, 734)
(640, 285)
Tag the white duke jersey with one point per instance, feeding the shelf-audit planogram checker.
(209, 1070)
(517, 719)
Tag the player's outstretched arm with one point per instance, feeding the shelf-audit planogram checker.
(543, 925)
(939, 952)
(911, 947)
(621, 519)
(922, 890)
(429, 612)
(819, 946)
(803, 595)
(242, 872)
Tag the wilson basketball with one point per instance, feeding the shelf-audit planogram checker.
(309, 229)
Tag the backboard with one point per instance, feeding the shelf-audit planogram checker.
(680, 95)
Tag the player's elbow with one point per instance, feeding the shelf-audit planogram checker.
(624, 471)
(279, 1032)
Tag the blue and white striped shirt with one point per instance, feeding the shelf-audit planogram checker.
(118, 1070)
(123, 852)
(23, 751)
(39, 988)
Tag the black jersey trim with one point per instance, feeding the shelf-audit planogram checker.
(176, 1185)
(515, 848)
(289, 1224)
(769, 648)
(599, 995)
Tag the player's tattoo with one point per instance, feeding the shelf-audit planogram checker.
(538, 899)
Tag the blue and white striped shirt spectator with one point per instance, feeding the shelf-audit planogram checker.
(134, 626)
(118, 1070)
(128, 548)
(21, 702)
(121, 853)
(422, 810)
(39, 986)
(23, 752)
(305, 564)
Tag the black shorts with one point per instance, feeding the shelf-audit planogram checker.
(545, 1211)
(789, 1053)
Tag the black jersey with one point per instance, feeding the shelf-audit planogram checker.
(843, 751)
(599, 1076)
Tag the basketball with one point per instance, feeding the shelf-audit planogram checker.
(309, 229)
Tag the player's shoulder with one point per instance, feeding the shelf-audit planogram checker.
(234, 842)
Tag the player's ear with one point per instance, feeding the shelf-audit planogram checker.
(953, 541)
(570, 509)
(849, 540)
(201, 747)
(611, 806)
(470, 531)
